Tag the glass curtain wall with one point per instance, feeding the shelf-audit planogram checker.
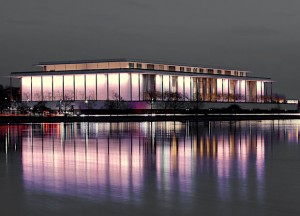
(135, 87)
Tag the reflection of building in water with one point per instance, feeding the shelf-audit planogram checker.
(121, 161)
(10, 137)
(78, 162)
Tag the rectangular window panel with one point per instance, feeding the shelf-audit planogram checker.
(26, 88)
(228, 73)
(47, 88)
(174, 84)
(262, 92)
(171, 68)
(125, 86)
(79, 87)
(37, 88)
(135, 87)
(187, 87)
(248, 91)
(68, 87)
(57, 88)
(158, 86)
(166, 83)
(180, 85)
(113, 85)
(242, 90)
(131, 65)
(101, 86)
(90, 80)
(225, 89)
(237, 90)
(150, 66)
(141, 86)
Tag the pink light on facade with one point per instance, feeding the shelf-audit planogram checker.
(225, 86)
(26, 88)
(219, 87)
(180, 85)
(158, 83)
(166, 83)
(57, 88)
(187, 87)
(135, 86)
(68, 87)
(242, 90)
(260, 91)
(79, 87)
(113, 86)
(90, 86)
(101, 86)
(37, 88)
(47, 88)
(125, 90)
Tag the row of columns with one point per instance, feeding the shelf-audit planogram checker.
(199, 88)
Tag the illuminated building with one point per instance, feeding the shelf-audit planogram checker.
(137, 81)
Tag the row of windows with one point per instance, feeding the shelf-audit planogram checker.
(134, 65)
(185, 69)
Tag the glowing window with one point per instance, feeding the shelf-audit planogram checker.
(131, 65)
(68, 87)
(57, 88)
(47, 88)
(26, 88)
(79, 87)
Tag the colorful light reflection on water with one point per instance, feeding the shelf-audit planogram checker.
(165, 163)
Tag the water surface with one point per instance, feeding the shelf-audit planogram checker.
(150, 168)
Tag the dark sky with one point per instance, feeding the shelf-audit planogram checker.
(261, 36)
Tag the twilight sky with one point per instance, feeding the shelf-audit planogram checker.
(260, 36)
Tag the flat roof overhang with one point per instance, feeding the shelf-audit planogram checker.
(146, 61)
(141, 71)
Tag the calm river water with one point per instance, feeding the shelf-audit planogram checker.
(150, 168)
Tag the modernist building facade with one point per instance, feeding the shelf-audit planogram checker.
(138, 80)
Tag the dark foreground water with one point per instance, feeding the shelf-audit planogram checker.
(158, 168)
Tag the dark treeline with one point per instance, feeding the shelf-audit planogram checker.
(8, 95)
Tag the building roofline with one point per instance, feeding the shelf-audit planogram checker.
(137, 60)
(145, 71)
